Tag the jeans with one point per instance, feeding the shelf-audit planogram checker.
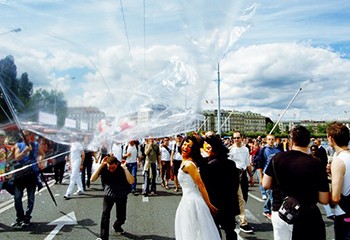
(27, 182)
(341, 228)
(108, 203)
(151, 181)
(268, 202)
(132, 167)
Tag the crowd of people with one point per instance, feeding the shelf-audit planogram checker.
(213, 174)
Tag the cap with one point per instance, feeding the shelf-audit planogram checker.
(2, 133)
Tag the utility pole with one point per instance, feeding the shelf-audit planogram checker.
(219, 113)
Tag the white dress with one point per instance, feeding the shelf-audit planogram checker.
(193, 220)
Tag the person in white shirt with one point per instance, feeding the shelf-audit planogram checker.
(132, 156)
(76, 160)
(165, 152)
(240, 155)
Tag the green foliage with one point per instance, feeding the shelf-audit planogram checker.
(20, 93)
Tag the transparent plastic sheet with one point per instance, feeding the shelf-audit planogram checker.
(125, 59)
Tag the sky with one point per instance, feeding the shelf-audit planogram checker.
(122, 56)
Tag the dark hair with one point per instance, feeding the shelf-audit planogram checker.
(339, 132)
(300, 136)
(217, 147)
(112, 160)
(195, 150)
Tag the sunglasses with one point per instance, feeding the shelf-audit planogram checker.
(236, 137)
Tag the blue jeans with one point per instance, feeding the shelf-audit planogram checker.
(268, 202)
(151, 181)
(26, 182)
(132, 167)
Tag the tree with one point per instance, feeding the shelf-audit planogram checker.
(20, 93)
(269, 127)
(49, 102)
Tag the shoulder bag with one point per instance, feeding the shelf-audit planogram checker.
(290, 208)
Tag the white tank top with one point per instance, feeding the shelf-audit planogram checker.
(345, 157)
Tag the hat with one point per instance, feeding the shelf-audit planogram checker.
(2, 133)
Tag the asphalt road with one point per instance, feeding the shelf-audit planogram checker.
(148, 218)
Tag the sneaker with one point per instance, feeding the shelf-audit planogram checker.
(144, 194)
(119, 229)
(268, 215)
(17, 224)
(153, 193)
(79, 192)
(25, 223)
(264, 197)
(67, 196)
(246, 228)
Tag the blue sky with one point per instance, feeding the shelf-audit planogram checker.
(125, 57)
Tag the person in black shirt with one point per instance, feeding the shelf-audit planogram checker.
(117, 180)
(221, 179)
(297, 174)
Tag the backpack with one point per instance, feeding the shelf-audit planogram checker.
(259, 158)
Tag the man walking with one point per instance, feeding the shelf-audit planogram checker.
(152, 153)
(117, 179)
(132, 156)
(26, 155)
(240, 155)
(265, 155)
(76, 160)
(297, 174)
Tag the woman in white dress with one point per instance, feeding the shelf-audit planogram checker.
(193, 219)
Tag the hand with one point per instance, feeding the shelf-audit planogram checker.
(104, 161)
(123, 164)
(251, 180)
(214, 211)
(28, 149)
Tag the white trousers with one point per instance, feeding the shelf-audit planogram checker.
(281, 229)
(74, 179)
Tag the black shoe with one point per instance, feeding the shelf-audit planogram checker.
(25, 223)
(246, 228)
(119, 229)
(17, 224)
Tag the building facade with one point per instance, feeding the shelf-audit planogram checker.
(233, 120)
(83, 116)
